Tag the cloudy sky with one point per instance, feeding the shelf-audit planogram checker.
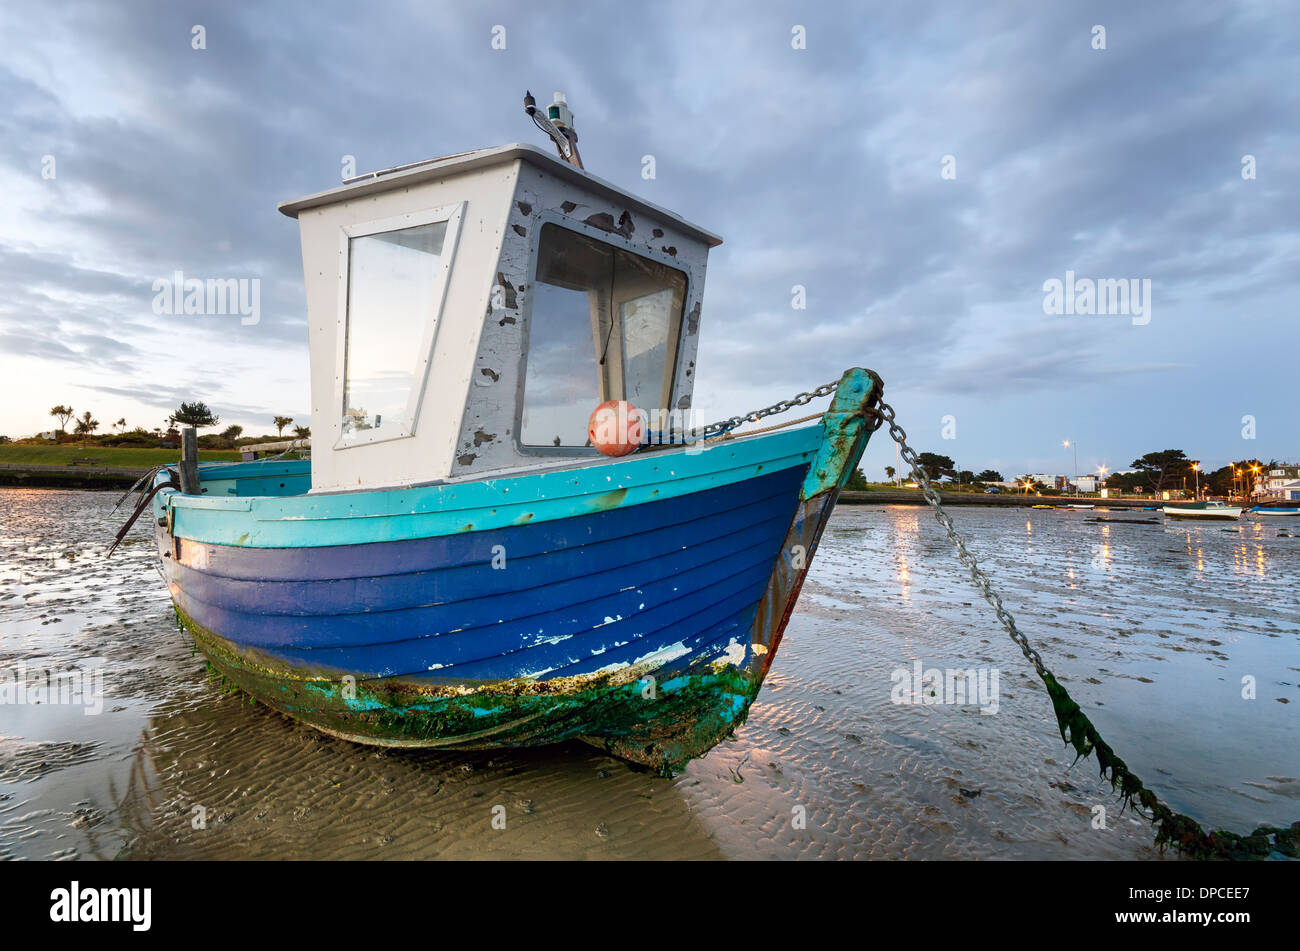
(821, 167)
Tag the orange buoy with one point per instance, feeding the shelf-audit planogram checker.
(616, 428)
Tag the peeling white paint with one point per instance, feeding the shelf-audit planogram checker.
(734, 654)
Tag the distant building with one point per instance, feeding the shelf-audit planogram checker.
(1278, 480)
(1086, 483)
(1289, 491)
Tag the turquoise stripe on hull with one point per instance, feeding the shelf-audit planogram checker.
(393, 514)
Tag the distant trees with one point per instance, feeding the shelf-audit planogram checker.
(281, 422)
(857, 481)
(935, 466)
(1236, 478)
(302, 432)
(224, 440)
(1157, 468)
(194, 414)
(889, 471)
(64, 413)
(1125, 481)
(86, 424)
(990, 475)
(120, 425)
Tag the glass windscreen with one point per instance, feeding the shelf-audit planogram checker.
(392, 279)
(604, 325)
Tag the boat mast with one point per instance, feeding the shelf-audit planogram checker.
(558, 124)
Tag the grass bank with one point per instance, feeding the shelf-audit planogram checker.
(88, 467)
(132, 458)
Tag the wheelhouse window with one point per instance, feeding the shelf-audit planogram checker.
(604, 326)
(395, 280)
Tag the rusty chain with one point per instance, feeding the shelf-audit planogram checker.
(727, 425)
(1179, 830)
(1076, 729)
(885, 413)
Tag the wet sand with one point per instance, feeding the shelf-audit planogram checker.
(1151, 627)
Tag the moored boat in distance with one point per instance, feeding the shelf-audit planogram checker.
(457, 566)
(1272, 510)
(1203, 510)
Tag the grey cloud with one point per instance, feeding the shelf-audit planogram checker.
(819, 167)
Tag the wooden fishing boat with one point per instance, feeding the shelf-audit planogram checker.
(1203, 510)
(456, 566)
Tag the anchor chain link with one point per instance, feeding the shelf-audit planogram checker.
(802, 399)
(884, 412)
(1176, 829)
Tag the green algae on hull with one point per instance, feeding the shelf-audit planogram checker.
(662, 724)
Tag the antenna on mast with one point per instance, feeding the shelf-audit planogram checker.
(557, 123)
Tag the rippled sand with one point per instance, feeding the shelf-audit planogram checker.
(1151, 627)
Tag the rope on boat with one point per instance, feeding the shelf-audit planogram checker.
(145, 498)
(1172, 828)
(137, 485)
(764, 429)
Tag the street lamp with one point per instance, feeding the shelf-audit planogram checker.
(1076, 465)
(1196, 467)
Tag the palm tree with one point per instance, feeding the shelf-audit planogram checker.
(889, 471)
(87, 424)
(64, 413)
(302, 432)
(120, 424)
(280, 423)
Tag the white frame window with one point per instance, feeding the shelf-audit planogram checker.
(451, 214)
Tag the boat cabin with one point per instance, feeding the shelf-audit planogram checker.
(468, 313)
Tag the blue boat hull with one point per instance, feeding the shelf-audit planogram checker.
(646, 628)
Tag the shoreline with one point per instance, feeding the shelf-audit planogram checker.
(68, 477)
(914, 497)
(113, 477)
